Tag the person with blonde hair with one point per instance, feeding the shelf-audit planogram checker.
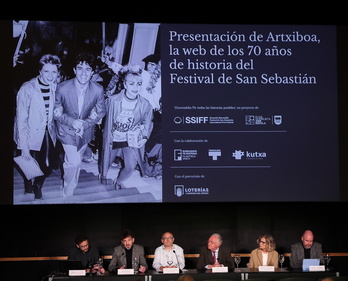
(128, 125)
(35, 129)
(265, 254)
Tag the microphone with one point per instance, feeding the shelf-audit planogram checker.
(118, 262)
(177, 260)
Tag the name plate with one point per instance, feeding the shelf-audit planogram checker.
(126, 271)
(266, 268)
(220, 269)
(77, 272)
(317, 268)
(171, 270)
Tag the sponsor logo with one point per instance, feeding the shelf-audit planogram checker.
(203, 120)
(239, 154)
(251, 120)
(177, 120)
(177, 155)
(214, 153)
(277, 119)
(184, 154)
(180, 190)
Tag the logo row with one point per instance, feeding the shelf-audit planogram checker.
(189, 154)
(249, 120)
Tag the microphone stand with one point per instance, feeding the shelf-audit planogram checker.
(177, 260)
(118, 262)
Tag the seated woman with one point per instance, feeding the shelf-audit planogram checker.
(265, 254)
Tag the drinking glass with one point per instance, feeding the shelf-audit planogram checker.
(281, 261)
(100, 265)
(327, 259)
(169, 261)
(135, 265)
(237, 259)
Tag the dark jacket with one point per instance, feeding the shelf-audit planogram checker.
(206, 257)
(76, 254)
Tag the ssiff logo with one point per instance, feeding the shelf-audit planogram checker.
(237, 154)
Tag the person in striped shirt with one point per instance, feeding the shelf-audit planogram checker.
(35, 128)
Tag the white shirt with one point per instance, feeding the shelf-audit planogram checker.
(264, 258)
(162, 256)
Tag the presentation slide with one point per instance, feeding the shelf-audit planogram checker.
(249, 113)
(241, 113)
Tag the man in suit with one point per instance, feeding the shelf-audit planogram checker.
(214, 254)
(127, 253)
(308, 249)
(79, 106)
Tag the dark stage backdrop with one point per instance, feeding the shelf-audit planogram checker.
(50, 230)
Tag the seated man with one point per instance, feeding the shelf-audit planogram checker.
(127, 253)
(168, 255)
(214, 254)
(307, 249)
(86, 254)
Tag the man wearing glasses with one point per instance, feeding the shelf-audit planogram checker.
(85, 253)
(168, 255)
(214, 254)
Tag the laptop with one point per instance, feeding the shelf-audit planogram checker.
(65, 265)
(308, 262)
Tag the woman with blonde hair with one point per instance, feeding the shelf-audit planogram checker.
(35, 129)
(265, 254)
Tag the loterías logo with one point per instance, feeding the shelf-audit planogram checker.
(179, 190)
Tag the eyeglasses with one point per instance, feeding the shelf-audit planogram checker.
(84, 246)
(262, 242)
(167, 238)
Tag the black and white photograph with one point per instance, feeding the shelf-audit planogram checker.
(87, 112)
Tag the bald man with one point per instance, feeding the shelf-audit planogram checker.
(307, 249)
